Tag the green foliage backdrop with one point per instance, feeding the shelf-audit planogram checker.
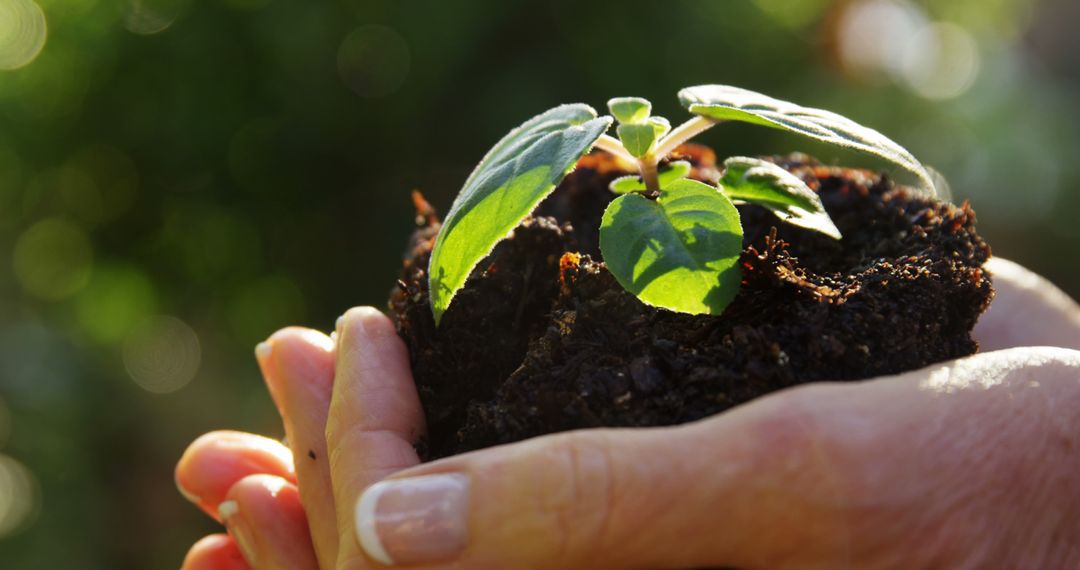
(179, 178)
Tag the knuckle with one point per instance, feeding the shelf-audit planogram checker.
(787, 433)
(581, 509)
(809, 454)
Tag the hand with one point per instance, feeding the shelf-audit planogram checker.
(970, 462)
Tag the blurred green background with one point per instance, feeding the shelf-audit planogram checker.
(180, 178)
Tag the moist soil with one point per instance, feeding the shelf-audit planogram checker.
(543, 339)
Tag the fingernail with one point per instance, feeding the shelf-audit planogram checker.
(262, 351)
(415, 520)
(238, 529)
(337, 324)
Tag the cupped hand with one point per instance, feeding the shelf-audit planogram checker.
(968, 463)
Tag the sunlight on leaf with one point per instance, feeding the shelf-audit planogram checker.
(519, 172)
(680, 251)
(765, 184)
(630, 110)
(725, 103)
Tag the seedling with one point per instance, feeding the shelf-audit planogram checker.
(671, 241)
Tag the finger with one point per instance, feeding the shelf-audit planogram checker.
(266, 519)
(215, 552)
(819, 476)
(215, 461)
(1027, 310)
(298, 365)
(375, 417)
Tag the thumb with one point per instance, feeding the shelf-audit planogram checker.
(640, 498)
(827, 475)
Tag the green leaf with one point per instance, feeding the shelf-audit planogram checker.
(519, 172)
(661, 125)
(680, 251)
(724, 103)
(630, 110)
(674, 171)
(763, 183)
(637, 139)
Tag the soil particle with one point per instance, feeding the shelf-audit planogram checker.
(542, 338)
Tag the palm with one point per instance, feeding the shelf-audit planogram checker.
(815, 498)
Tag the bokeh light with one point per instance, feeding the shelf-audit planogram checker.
(53, 259)
(162, 354)
(373, 61)
(897, 39)
(18, 496)
(874, 35)
(794, 14)
(941, 62)
(23, 31)
(148, 17)
(118, 297)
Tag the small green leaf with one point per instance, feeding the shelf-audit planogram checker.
(630, 110)
(633, 183)
(637, 139)
(725, 103)
(519, 172)
(765, 184)
(661, 125)
(680, 251)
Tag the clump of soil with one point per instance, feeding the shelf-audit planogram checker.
(543, 339)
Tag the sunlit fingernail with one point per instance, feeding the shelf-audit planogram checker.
(238, 529)
(262, 350)
(337, 324)
(415, 520)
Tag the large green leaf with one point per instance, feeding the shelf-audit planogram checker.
(519, 172)
(726, 103)
(786, 195)
(680, 251)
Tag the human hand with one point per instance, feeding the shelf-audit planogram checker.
(961, 463)
(358, 395)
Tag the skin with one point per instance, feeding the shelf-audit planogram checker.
(966, 464)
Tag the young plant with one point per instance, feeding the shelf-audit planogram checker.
(671, 241)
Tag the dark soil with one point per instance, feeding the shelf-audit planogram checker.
(542, 339)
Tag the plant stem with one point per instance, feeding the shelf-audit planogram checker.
(647, 166)
(681, 134)
(611, 144)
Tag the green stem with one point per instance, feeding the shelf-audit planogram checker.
(647, 166)
(681, 134)
(612, 145)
